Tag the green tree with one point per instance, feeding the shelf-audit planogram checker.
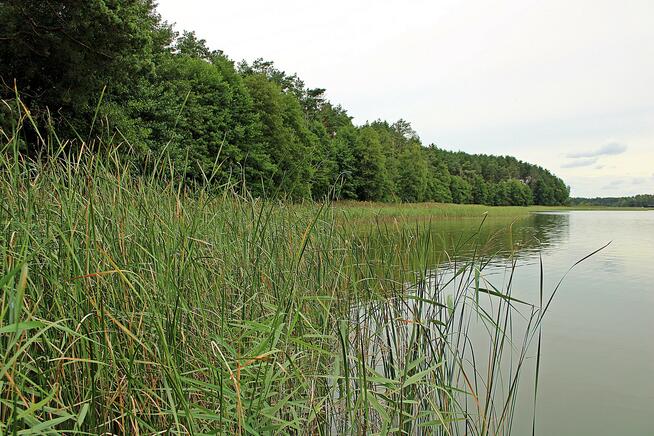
(345, 140)
(480, 190)
(438, 181)
(461, 190)
(371, 178)
(413, 180)
(196, 108)
(323, 161)
(261, 125)
(287, 137)
(519, 193)
(63, 53)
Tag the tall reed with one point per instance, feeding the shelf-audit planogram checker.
(139, 303)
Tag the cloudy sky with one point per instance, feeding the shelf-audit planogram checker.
(567, 84)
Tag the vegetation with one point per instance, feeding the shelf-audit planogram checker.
(155, 277)
(115, 69)
(366, 211)
(145, 302)
(644, 200)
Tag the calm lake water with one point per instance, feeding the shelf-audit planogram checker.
(474, 309)
(597, 363)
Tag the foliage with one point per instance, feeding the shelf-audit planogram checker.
(413, 174)
(642, 200)
(371, 178)
(113, 69)
(511, 192)
(61, 54)
(138, 303)
(461, 190)
(286, 135)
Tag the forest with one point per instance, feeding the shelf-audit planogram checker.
(100, 72)
(642, 200)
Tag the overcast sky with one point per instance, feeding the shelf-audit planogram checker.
(566, 84)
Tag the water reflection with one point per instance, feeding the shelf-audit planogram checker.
(449, 241)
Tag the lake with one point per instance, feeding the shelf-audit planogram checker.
(597, 347)
(596, 352)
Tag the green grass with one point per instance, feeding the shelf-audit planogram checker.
(410, 212)
(136, 304)
(436, 211)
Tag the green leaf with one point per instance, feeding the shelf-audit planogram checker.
(21, 327)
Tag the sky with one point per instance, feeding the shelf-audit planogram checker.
(565, 84)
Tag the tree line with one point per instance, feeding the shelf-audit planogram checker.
(642, 200)
(84, 65)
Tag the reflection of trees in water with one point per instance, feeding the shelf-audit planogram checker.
(448, 240)
(551, 228)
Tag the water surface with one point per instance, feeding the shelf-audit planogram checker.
(598, 346)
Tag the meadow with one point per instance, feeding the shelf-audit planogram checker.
(139, 304)
(435, 211)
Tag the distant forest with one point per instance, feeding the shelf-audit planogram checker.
(112, 69)
(644, 200)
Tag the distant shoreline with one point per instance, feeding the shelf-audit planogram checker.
(366, 210)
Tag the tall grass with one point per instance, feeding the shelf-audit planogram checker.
(411, 211)
(137, 303)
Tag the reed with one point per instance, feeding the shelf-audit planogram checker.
(138, 303)
(411, 211)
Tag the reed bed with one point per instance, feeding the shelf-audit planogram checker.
(139, 303)
(441, 211)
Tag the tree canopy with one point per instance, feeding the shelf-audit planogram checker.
(249, 124)
(641, 200)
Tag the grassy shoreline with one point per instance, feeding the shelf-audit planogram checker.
(369, 210)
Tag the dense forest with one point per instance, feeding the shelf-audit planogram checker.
(114, 69)
(643, 200)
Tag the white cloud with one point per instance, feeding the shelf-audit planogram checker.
(580, 163)
(610, 149)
